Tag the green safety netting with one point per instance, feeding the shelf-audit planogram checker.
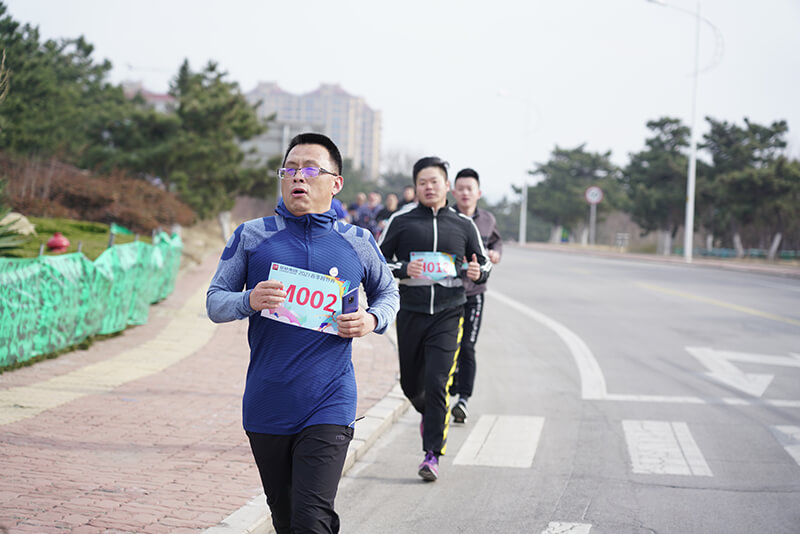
(52, 302)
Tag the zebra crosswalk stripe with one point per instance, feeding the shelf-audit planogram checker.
(501, 441)
(664, 448)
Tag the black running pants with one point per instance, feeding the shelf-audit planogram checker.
(428, 350)
(464, 379)
(300, 474)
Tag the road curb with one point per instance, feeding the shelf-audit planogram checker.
(375, 423)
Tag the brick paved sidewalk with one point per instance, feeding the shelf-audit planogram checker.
(142, 432)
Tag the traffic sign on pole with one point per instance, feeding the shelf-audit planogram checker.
(593, 194)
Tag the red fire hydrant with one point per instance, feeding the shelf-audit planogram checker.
(58, 243)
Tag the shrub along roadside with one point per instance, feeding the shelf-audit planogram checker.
(53, 189)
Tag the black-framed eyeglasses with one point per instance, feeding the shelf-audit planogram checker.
(305, 172)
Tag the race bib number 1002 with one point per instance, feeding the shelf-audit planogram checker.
(436, 265)
(313, 300)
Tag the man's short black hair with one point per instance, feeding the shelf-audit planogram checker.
(429, 161)
(467, 173)
(310, 138)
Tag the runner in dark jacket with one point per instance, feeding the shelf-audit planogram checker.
(426, 245)
(467, 190)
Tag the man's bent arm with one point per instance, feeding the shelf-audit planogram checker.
(495, 240)
(225, 300)
(475, 246)
(382, 294)
(388, 246)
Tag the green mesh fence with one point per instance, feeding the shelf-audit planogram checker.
(52, 302)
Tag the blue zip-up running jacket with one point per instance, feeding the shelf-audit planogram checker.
(298, 377)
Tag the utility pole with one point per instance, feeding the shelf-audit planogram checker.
(523, 214)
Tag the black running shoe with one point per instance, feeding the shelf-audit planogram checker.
(460, 412)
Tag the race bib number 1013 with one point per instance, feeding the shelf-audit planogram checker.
(436, 265)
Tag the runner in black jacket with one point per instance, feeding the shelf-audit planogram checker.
(429, 323)
(467, 190)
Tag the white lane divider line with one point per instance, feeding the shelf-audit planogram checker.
(664, 448)
(559, 527)
(789, 438)
(502, 441)
(593, 383)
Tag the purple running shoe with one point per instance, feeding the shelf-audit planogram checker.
(429, 468)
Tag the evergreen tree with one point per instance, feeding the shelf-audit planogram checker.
(765, 201)
(739, 189)
(559, 198)
(54, 90)
(129, 134)
(207, 165)
(655, 178)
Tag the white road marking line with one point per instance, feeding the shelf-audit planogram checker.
(732, 401)
(694, 458)
(722, 370)
(664, 448)
(654, 398)
(593, 383)
(502, 441)
(789, 437)
(559, 527)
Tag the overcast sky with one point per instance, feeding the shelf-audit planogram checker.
(493, 85)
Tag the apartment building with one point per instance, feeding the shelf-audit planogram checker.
(345, 118)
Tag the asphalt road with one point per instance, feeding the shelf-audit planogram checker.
(613, 396)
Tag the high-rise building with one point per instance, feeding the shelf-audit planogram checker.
(347, 119)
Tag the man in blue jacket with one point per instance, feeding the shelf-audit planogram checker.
(299, 402)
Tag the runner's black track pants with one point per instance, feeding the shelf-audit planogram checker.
(300, 474)
(428, 349)
(464, 379)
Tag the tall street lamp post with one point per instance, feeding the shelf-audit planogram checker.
(688, 226)
(688, 233)
(523, 207)
(523, 214)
